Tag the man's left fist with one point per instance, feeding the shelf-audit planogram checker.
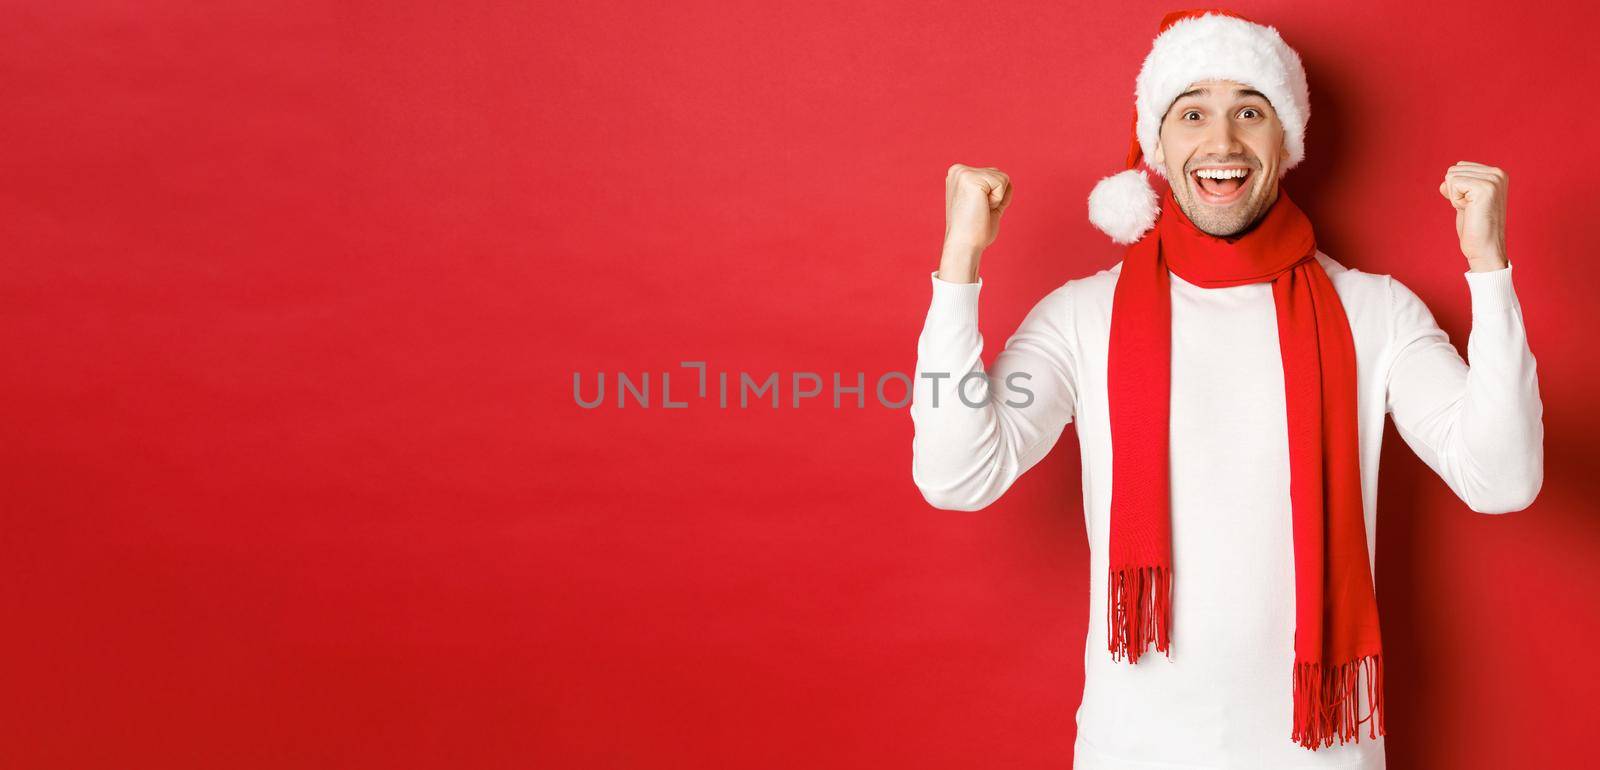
(1478, 193)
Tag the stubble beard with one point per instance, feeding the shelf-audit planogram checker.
(1221, 221)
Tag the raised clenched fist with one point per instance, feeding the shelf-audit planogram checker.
(974, 200)
(1478, 193)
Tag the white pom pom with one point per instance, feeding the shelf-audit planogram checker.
(1124, 205)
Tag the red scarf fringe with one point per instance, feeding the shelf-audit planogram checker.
(1139, 611)
(1326, 701)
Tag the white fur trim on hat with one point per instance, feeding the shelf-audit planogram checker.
(1124, 205)
(1224, 48)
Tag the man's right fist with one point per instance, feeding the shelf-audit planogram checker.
(974, 199)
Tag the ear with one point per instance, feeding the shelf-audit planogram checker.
(1159, 156)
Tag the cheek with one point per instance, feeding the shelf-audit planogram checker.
(1270, 148)
(1177, 159)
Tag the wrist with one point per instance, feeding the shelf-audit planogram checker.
(958, 263)
(1486, 264)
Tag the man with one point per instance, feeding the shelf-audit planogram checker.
(1228, 382)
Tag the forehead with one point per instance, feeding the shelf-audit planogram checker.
(1229, 90)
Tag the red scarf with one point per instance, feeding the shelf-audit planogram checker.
(1336, 610)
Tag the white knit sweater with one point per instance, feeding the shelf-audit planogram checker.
(1223, 698)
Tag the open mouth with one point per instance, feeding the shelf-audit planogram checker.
(1220, 186)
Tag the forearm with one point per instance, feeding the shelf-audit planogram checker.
(976, 431)
(1479, 424)
(1502, 420)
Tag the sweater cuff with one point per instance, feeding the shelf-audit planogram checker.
(1491, 290)
(955, 302)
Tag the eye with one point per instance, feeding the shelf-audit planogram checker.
(1254, 113)
(1187, 113)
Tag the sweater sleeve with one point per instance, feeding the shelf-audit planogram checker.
(977, 430)
(1479, 423)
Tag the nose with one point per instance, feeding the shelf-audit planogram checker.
(1222, 140)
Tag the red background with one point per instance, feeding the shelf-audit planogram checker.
(293, 295)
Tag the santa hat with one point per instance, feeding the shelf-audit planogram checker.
(1195, 45)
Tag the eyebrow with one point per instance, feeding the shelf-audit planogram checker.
(1237, 92)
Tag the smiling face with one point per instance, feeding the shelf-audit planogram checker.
(1222, 146)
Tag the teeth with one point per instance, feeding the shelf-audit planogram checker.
(1222, 173)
